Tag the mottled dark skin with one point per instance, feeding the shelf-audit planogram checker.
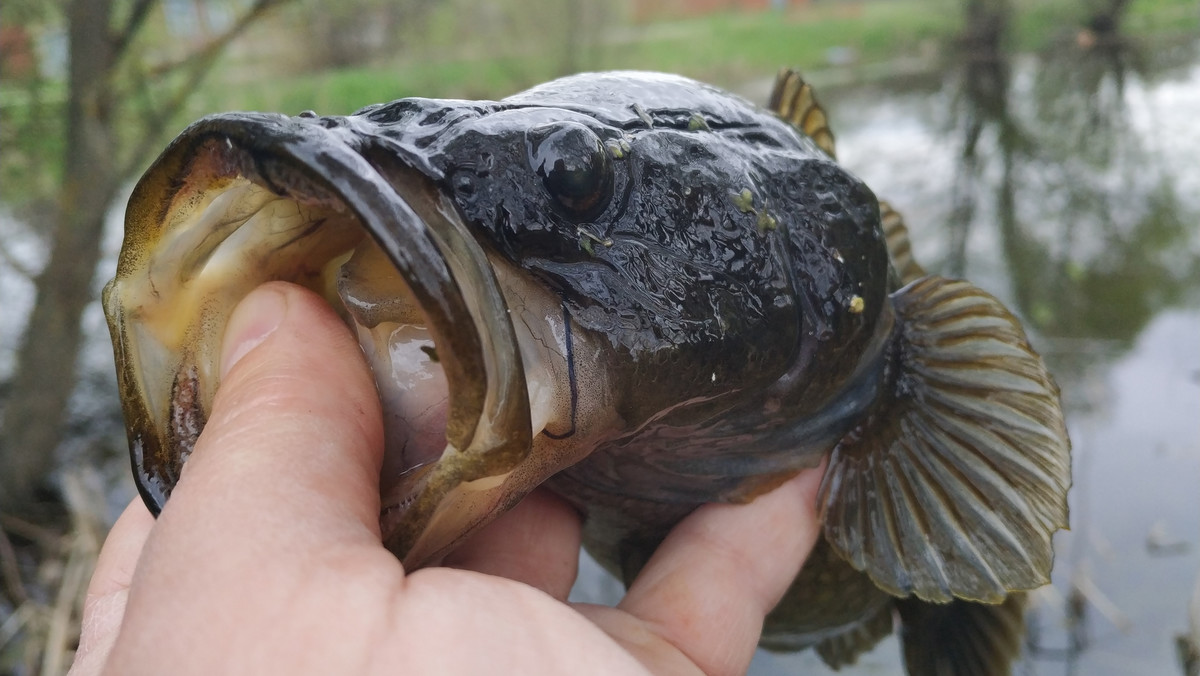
(728, 313)
(718, 308)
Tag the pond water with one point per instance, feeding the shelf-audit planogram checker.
(1066, 184)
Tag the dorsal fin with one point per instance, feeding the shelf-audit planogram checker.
(792, 100)
(898, 245)
(953, 484)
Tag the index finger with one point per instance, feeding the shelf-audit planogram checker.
(710, 584)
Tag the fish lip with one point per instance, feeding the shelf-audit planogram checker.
(488, 422)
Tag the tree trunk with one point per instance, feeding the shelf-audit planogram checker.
(36, 411)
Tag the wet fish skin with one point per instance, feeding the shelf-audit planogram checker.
(725, 305)
(837, 361)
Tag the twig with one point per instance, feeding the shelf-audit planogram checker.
(11, 572)
(45, 537)
(1092, 594)
(80, 562)
(83, 545)
(201, 63)
(137, 17)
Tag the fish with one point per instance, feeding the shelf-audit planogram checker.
(646, 294)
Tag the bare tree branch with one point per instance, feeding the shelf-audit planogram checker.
(137, 17)
(199, 64)
(10, 571)
(141, 96)
(11, 260)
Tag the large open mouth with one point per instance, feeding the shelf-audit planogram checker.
(242, 199)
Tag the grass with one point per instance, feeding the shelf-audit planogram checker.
(724, 48)
(1155, 17)
(734, 46)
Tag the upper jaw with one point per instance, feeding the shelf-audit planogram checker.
(240, 199)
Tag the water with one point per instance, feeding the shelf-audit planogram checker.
(1067, 185)
(1071, 191)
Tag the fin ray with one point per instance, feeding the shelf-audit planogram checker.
(953, 484)
(793, 101)
(962, 638)
(988, 496)
(931, 571)
(895, 233)
(844, 649)
(942, 516)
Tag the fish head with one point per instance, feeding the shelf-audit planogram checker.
(710, 248)
(528, 278)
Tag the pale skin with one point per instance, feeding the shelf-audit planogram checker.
(268, 559)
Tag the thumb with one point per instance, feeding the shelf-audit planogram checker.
(290, 455)
(285, 474)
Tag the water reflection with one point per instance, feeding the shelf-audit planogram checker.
(1055, 181)
(1115, 252)
(1088, 217)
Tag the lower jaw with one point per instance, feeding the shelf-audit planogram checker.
(464, 500)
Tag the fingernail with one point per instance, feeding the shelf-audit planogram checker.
(255, 318)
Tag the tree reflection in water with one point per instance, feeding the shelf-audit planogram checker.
(1062, 182)
(1093, 234)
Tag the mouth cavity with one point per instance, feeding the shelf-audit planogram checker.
(239, 200)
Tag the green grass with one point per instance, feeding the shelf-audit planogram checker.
(340, 92)
(734, 46)
(1153, 17)
(723, 47)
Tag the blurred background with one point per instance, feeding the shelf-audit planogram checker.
(1045, 149)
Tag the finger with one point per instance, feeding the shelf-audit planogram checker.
(104, 606)
(281, 488)
(709, 585)
(536, 542)
(291, 452)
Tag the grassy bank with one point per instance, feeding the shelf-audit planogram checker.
(724, 48)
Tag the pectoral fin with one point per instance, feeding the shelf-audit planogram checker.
(962, 638)
(953, 484)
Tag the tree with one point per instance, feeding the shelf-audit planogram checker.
(105, 92)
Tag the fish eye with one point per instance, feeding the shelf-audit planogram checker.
(574, 166)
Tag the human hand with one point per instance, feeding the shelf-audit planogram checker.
(267, 559)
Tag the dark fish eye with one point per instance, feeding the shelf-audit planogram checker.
(574, 165)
